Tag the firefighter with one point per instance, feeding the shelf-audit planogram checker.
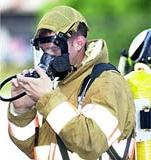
(140, 82)
(51, 110)
(129, 58)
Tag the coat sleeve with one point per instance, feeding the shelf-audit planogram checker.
(90, 131)
(21, 130)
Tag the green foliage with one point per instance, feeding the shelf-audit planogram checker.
(116, 21)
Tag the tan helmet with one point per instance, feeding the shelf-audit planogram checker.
(140, 48)
(61, 19)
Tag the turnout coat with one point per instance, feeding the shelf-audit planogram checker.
(106, 116)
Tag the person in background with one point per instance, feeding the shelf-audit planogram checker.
(140, 83)
(52, 109)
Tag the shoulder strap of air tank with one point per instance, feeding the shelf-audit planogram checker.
(97, 70)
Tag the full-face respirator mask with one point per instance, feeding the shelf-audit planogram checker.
(53, 65)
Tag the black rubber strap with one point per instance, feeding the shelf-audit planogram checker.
(97, 70)
(113, 154)
(62, 148)
(125, 156)
(36, 142)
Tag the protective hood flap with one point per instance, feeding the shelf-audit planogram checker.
(96, 53)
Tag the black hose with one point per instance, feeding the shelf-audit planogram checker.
(12, 98)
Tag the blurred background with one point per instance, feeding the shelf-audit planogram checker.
(116, 21)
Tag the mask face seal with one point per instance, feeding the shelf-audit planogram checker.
(55, 66)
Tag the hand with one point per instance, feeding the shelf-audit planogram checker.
(36, 87)
(23, 103)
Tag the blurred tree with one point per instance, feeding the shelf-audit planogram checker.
(115, 21)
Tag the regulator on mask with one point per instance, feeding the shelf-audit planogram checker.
(54, 66)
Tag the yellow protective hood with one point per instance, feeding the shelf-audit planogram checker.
(95, 53)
